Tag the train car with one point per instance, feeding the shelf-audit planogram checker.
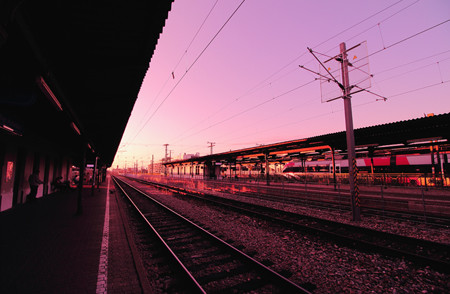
(399, 163)
(401, 169)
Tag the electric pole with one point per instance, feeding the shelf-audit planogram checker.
(352, 168)
(346, 95)
(165, 160)
(211, 145)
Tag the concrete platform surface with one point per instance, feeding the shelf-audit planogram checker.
(47, 248)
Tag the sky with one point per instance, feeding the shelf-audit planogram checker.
(228, 72)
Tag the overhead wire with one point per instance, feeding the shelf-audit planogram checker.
(195, 36)
(382, 21)
(179, 61)
(189, 68)
(248, 125)
(420, 88)
(260, 104)
(391, 96)
(341, 109)
(411, 62)
(262, 120)
(354, 106)
(364, 31)
(403, 40)
(223, 108)
(392, 15)
(412, 70)
(257, 86)
(359, 60)
(360, 33)
(251, 108)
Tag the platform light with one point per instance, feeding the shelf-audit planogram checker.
(75, 128)
(425, 140)
(391, 146)
(48, 92)
(9, 129)
(90, 147)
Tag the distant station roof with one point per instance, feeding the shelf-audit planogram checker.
(70, 71)
(405, 135)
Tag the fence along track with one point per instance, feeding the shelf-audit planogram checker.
(209, 262)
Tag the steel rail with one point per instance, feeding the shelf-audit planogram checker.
(278, 279)
(332, 204)
(194, 282)
(349, 235)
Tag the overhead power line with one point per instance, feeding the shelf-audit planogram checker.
(338, 110)
(195, 36)
(412, 70)
(179, 61)
(411, 62)
(260, 104)
(248, 109)
(321, 44)
(404, 40)
(421, 88)
(259, 85)
(189, 68)
(382, 21)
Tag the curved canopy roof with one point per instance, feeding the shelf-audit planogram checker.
(403, 136)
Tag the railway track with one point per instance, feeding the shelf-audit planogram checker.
(340, 201)
(425, 253)
(204, 261)
(372, 204)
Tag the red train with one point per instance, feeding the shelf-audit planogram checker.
(413, 169)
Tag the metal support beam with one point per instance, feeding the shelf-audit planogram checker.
(352, 168)
(80, 182)
(334, 166)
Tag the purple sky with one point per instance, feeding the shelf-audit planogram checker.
(240, 91)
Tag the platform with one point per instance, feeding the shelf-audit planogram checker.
(47, 248)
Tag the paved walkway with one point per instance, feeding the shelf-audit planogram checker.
(46, 248)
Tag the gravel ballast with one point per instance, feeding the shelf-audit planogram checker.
(307, 259)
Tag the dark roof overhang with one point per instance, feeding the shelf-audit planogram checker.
(92, 55)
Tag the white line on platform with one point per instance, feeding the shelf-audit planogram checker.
(102, 277)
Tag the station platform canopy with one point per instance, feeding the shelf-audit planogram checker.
(403, 137)
(70, 71)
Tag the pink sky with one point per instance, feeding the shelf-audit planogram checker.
(232, 94)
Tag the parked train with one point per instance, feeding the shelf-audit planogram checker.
(413, 169)
(400, 163)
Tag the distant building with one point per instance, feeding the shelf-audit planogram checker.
(157, 168)
(189, 156)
